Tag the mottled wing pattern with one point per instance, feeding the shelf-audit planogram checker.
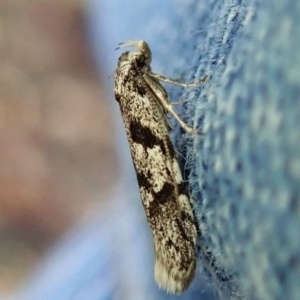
(163, 193)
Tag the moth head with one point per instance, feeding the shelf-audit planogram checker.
(143, 51)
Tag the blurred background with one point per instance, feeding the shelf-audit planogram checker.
(56, 155)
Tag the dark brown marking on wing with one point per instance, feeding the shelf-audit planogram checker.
(165, 194)
(182, 190)
(143, 135)
(144, 181)
(118, 97)
(161, 198)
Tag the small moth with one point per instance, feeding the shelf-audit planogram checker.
(144, 105)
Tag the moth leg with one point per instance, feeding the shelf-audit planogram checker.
(177, 102)
(187, 128)
(164, 101)
(177, 82)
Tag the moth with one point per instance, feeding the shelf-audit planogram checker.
(144, 105)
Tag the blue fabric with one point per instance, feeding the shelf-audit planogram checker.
(244, 173)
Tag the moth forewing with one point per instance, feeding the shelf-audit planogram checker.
(144, 105)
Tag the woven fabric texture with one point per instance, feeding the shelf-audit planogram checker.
(245, 172)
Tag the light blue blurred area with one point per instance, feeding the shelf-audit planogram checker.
(244, 174)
